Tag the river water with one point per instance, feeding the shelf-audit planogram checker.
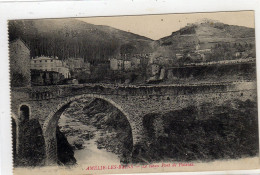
(90, 154)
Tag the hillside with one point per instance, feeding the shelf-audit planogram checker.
(73, 38)
(208, 34)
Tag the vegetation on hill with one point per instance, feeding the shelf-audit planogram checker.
(224, 40)
(67, 38)
(227, 51)
(206, 133)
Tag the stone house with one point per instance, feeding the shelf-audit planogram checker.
(19, 54)
(155, 69)
(135, 62)
(113, 64)
(50, 64)
(118, 64)
(77, 65)
(127, 65)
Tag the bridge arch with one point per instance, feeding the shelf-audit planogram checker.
(51, 122)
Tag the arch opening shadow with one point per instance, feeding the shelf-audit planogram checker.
(24, 113)
(51, 124)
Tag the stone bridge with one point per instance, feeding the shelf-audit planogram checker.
(47, 103)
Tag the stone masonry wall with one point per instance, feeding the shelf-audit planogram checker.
(45, 103)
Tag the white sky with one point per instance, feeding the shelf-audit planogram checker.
(158, 26)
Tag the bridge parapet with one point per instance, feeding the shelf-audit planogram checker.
(50, 92)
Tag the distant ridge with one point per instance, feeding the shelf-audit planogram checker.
(74, 38)
(211, 28)
(207, 33)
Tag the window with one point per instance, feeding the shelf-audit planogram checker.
(34, 61)
(46, 61)
(40, 60)
(51, 60)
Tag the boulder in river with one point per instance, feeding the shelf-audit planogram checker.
(79, 143)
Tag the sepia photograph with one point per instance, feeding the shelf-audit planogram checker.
(134, 94)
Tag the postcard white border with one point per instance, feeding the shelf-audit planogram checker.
(91, 8)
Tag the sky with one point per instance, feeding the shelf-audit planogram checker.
(158, 26)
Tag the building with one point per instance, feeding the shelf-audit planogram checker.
(179, 55)
(161, 60)
(77, 63)
(19, 54)
(120, 64)
(135, 62)
(241, 54)
(40, 77)
(203, 51)
(72, 81)
(205, 47)
(127, 65)
(50, 64)
(197, 46)
(113, 64)
(203, 57)
(116, 64)
(162, 74)
(155, 73)
(142, 54)
(129, 61)
(155, 69)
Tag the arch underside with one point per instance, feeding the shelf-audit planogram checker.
(50, 124)
(69, 100)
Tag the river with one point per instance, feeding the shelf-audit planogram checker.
(90, 154)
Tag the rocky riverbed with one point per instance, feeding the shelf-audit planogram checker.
(97, 132)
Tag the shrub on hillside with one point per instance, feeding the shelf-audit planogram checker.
(228, 131)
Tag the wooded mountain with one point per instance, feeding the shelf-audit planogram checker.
(73, 38)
